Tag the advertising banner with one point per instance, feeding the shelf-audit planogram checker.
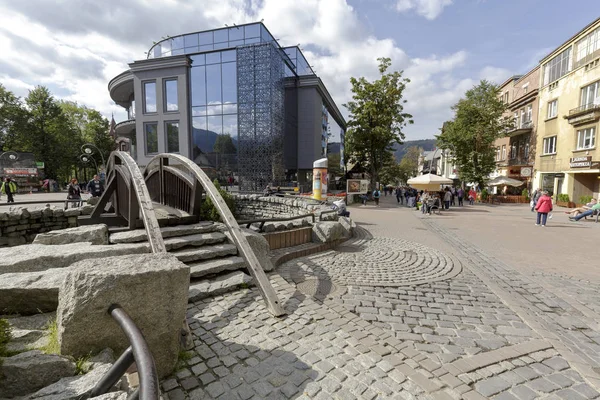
(357, 186)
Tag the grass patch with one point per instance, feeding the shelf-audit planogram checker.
(82, 366)
(182, 357)
(52, 347)
(5, 336)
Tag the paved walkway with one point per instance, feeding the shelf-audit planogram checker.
(413, 307)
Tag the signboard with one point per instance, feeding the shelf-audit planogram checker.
(39, 164)
(526, 172)
(559, 175)
(357, 186)
(580, 162)
(21, 171)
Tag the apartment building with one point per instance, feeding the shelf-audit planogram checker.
(515, 153)
(567, 159)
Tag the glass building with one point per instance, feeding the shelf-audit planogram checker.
(232, 100)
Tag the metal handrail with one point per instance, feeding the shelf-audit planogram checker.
(138, 352)
(584, 107)
(268, 293)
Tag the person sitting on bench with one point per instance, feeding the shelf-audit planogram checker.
(576, 211)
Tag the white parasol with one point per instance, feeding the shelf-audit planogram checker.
(505, 181)
(429, 182)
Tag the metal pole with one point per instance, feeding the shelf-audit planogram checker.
(141, 352)
(96, 147)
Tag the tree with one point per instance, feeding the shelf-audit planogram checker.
(376, 119)
(409, 165)
(224, 145)
(13, 119)
(470, 136)
(390, 173)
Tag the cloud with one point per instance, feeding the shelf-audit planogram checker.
(495, 74)
(430, 9)
(76, 51)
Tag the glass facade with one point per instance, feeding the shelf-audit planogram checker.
(172, 139)
(213, 80)
(171, 102)
(151, 137)
(150, 97)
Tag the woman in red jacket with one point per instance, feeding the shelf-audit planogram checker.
(543, 207)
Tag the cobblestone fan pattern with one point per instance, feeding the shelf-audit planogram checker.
(380, 262)
(543, 304)
(318, 351)
(542, 374)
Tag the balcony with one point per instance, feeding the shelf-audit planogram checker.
(584, 108)
(524, 127)
(121, 89)
(125, 128)
(519, 161)
(584, 114)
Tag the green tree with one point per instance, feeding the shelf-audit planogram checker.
(470, 136)
(377, 118)
(390, 173)
(13, 120)
(333, 164)
(409, 165)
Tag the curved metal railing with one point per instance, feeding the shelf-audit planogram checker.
(168, 183)
(127, 191)
(138, 352)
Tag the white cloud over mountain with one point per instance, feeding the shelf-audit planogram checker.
(76, 50)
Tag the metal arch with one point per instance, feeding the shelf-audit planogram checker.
(268, 293)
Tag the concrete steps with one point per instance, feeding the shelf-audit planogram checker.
(215, 266)
(223, 284)
(139, 235)
(197, 240)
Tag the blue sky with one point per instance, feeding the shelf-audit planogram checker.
(75, 47)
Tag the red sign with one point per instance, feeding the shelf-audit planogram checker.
(21, 171)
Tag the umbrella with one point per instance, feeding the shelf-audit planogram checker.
(429, 182)
(505, 181)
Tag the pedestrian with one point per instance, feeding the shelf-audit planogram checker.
(10, 188)
(376, 196)
(460, 193)
(543, 207)
(447, 198)
(398, 195)
(95, 187)
(453, 191)
(73, 190)
(472, 196)
(535, 197)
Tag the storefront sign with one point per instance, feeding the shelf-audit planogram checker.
(21, 171)
(580, 162)
(526, 172)
(559, 175)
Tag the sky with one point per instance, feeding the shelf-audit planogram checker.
(75, 47)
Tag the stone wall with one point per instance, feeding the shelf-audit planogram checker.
(20, 225)
(257, 207)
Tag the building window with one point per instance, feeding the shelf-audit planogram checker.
(503, 152)
(171, 103)
(552, 108)
(590, 95)
(505, 97)
(172, 132)
(151, 137)
(559, 66)
(526, 151)
(588, 46)
(149, 97)
(586, 138)
(529, 114)
(523, 118)
(513, 152)
(550, 145)
(516, 118)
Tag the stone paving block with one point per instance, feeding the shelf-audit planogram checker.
(556, 363)
(560, 380)
(505, 396)
(492, 386)
(569, 394)
(543, 385)
(522, 392)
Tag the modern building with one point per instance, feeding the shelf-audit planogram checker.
(515, 152)
(567, 156)
(438, 162)
(233, 101)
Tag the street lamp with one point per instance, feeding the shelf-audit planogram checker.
(87, 158)
(12, 155)
(87, 149)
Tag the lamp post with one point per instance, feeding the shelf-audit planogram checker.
(12, 155)
(87, 158)
(87, 149)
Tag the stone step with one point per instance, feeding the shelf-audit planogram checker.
(212, 267)
(139, 235)
(205, 252)
(223, 284)
(199, 239)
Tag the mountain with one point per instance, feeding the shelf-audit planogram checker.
(400, 149)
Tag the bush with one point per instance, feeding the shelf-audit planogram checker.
(525, 193)
(563, 198)
(5, 336)
(585, 199)
(485, 195)
(208, 211)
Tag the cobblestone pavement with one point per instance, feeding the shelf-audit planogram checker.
(407, 309)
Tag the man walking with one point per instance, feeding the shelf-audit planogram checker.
(461, 194)
(95, 187)
(10, 188)
(376, 196)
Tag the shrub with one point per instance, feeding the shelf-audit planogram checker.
(5, 336)
(563, 197)
(525, 193)
(585, 199)
(485, 195)
(208, 212)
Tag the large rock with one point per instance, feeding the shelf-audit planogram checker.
(39, 257)
(74, 387)
(258, 244)
(30, 332)
(27, 372)
(325, 232)
(348, 225)
(30, 292)
(95, 234)
(152, 289)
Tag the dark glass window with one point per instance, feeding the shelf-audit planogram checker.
(198, 59)
(150, 97)
(264, 35)
(205, 38)
(198, 78)
(229, 74)
(235, 43)
(214, 110)
(230, 126)
(177, 43)
(198, 111)
(227, 56)
(213, 80)
(191, 40)
(252, 41)
(151, 136)
(206, 47)
(252, 31)
(223, 45)
(215, 124)
(236, 33)
(221, 36)
(172, 130)
(171, 103)
(213, 58)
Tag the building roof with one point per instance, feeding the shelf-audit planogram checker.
(571, 39)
